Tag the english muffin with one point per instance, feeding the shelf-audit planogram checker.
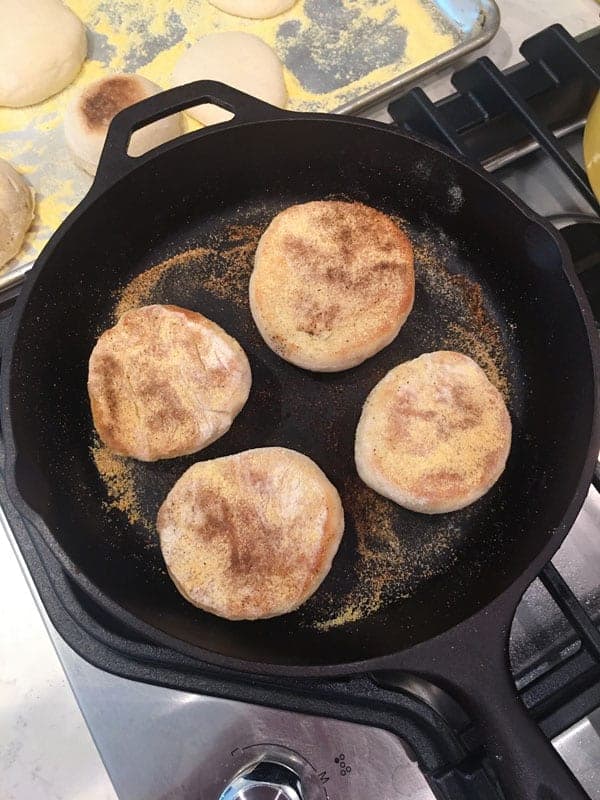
(94, 107)
(333, 283)
(251, 535)
(165, 382)
(434, 434)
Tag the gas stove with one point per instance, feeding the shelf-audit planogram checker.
(169, 727)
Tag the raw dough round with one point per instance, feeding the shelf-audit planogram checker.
(42, 48)
(253, 9)
(240, 60)
(16, 211)
(89, 115)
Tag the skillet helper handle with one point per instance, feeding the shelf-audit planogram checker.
(115, 162)
(474, 668)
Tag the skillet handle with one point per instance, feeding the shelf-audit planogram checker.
(473, 667)
(115, 162)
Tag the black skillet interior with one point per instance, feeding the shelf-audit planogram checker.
(218, 192)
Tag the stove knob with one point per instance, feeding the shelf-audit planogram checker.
(265, 780)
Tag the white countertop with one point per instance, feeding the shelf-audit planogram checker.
(46, 751)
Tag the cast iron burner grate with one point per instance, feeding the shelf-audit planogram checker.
(495, 117)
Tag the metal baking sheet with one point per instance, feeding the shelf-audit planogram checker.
(338, 55)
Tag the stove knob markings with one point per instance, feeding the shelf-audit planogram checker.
(264, 780)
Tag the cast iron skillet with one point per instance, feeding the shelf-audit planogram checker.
(449, 621)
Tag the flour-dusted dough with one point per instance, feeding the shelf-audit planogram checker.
(89, 115)
(240, 60)
(254, 9)
(42, 48)
(16, 211)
